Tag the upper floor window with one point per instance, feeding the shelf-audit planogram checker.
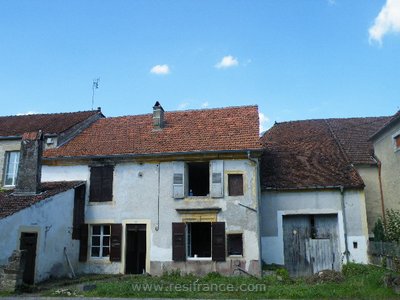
(235, 184)
(397, 141)
(11, 168)
(199, 178)
(101, 183)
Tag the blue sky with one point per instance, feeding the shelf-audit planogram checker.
(294, 59)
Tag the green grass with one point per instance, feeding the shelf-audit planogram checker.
(365, 282)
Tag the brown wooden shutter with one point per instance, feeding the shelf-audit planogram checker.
(83, 243)
(116, 238)
(178, 242)
(107, 183)
(95, 194)
(235, 184)
(79, 211)
(218, 241)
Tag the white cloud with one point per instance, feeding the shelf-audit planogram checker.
(160, 69)
(332, 2)
(263, 121)
(183, 105)
(28, 113)
(227, 62)
(387, 21)
(204, 104)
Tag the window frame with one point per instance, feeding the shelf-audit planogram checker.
(7, 167)
(228, 234)
(101, 237)
(396, 141)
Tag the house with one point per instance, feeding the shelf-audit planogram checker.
(166, 191)
(313, 214)
(42, 219)
(57, 129)
(386, 143)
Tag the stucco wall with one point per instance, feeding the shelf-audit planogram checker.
(52, 220)
(7, 145)
(135, 200)
(384, 148)
(276, 204)
(369, 175)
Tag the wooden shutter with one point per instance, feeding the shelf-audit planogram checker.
(217, 179)
(116, 238)
(218, 241)
(95, 184)
(235, 184)
(178, 185)
(83, 243)
(79, 211)
(178, 242)
(107, 183)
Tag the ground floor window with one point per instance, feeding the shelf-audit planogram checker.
(235, 244)
(199, 239)
(100, 241)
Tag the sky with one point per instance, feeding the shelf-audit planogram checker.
(298, 59)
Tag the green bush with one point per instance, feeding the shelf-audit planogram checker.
(379, 231)
(392, 225)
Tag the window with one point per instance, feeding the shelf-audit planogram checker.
(199, 178)
(100, 237)
(11, 168)
(198, 240)
(397, 141)
(235, 184)
(235, 244)
(101, 183)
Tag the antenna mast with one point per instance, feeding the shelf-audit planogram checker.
(95, 86)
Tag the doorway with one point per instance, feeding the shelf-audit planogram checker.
(135, 249)
(28, 243)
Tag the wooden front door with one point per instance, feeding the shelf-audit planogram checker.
(135, 249)
(28, 243)
(310, 244)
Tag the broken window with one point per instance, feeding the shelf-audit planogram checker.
(101, 183)
(397, 141)
(235, 184)
(235, 244)
(100, 241)
(199, 178)
(198, 240)
(11, 168)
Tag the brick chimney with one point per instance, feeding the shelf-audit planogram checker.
(30, 164)
(158, 116)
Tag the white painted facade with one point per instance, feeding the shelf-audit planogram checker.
(143, 194)
(52, 220)
(276, 204)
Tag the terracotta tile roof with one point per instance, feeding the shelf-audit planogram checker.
(304, 155)
(48, 123)
(232, 128)
(354, 134)
(10, 204)
(392, 120)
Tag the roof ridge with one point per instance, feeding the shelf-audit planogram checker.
(47, 114)
(323, 119)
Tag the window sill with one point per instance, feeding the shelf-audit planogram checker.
(235, 256)
(101, 203)
(199, 258)
(100, 260)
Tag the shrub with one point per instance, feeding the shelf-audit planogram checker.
(392, 225)
(379, 231)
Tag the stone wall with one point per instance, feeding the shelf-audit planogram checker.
(12, 273)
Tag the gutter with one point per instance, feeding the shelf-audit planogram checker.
(381, 189)
(130, 155)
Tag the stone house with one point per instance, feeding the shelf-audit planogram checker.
(42, 219)
(313, 214)
(166, 191)
(57, 129)
(386, 143)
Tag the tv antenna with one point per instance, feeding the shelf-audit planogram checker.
(95, 86)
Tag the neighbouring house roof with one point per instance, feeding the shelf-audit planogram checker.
(394, 119)
(48, 123)
(10, 204)
(316, 153)
(221, 129)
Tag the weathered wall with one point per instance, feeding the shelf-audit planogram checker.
(135, 201)
(386, 152)
(7, 145)
(52, 220)
(369, 175)
(276, 204)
